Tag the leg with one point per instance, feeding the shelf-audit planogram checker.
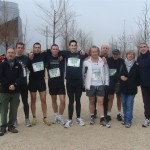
(43, 103)
(91, 105)
(129, 108)
(62, 104)
(100, 105)
(33, 103)
(24, 97)
(70, 92)
(5, 98)
(124, 101)
(105, 103)
(146, 101)
(54, 103)
(110, 103)
(118, 102)
(78, 93)
(14, 102)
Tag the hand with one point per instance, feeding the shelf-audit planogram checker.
(123, 78)
(31, 56)
(12, 87)
(60, 58)
(104, 60)
(82, 52)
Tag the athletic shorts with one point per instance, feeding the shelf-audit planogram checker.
(114, 89)
(37, 85)
(95, 91)
(57, 89)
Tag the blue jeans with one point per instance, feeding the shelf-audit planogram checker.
(127, 104)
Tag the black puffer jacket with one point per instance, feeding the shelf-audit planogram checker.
(130, 86)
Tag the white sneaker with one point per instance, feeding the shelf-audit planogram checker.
(80, 121)
(146, 123)
(68, 124)
(61, 120)
(55, 119)
(28, 123)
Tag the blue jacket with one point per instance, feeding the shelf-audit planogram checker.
(144, 69)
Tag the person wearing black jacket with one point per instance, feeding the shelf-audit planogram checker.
(10, 77)
(23, 60)
(36, 83)
(114, 64)
(129, 81)
(74, 80)
(144, 69)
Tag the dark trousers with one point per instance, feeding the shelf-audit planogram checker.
(74, 91)
(9, 102)
(146, 101)
(24, 97)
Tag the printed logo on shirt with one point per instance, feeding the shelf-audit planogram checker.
(73, 62)
(39, 66)
(54, 72)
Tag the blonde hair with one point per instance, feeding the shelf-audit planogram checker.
(93, 47)
(130, 52)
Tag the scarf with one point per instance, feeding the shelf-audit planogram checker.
(129, 64)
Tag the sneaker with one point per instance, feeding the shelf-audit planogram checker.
(123, 123)
(104, 123)
(92, 120)
(68, 124)
(128, 125)
(80, 121)
(34, 121)
(119, 117)
(28, 123)
(16, 123)
(146, 123)
(12, 129)
(61, 121)
(108, 118)
(2, 131)
(55, 120)
(46, 121)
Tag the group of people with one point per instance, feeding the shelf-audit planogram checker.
(100, 75)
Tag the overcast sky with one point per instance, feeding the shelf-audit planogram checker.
(101, 18)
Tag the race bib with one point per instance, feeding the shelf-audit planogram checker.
(96, 75)
(73, 62)
(39, 66)
(112, 72)
(54, 72)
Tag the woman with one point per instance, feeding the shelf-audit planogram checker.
(96, 78)
(128, 85)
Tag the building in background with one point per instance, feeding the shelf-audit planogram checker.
(10, 25)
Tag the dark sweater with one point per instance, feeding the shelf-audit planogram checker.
(130, 86)
(38, 58)
(10, 75)
(73, 73)
(114, 65)
(144, 69)
(24, 61)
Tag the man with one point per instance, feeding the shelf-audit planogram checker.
(144, 71)
(10, 77)
(114, 64)
(23, 60)
(55, 69)
(74, 82)
(37, 82)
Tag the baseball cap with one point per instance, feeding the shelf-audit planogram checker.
(116, 51)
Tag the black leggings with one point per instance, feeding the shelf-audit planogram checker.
(24, 97)
(74, 91)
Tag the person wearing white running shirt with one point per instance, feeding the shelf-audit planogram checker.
(96, 76)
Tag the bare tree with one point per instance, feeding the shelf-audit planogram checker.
(52, 16)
